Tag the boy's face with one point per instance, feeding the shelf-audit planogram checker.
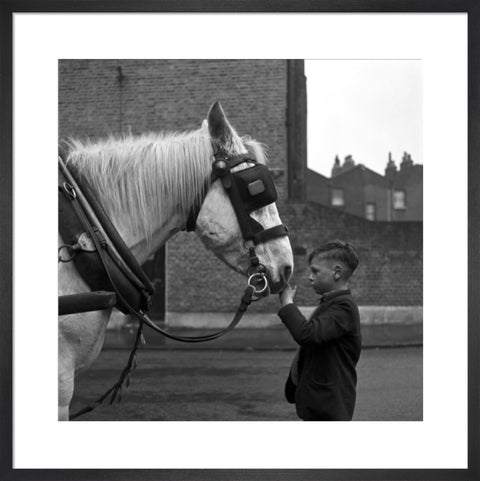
(322, 275)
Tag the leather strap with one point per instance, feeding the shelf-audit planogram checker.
(269, 234)
(95, 269)
(244, 303)
(114, 236)
(112, 233)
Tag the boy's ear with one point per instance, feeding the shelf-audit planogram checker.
(337, 271)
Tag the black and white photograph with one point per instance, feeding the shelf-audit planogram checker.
(173, 148)
(264, 244)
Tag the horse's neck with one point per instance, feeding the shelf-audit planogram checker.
(143, 249)
(162, 228)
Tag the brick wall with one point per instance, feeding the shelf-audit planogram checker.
(391, 257)
(390, 272)
(176, 95)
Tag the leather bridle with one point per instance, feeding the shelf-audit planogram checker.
(248, 189)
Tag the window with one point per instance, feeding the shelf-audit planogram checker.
(370, 211)
(399, 199)
(337, 197)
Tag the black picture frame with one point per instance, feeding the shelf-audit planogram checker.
(8, 8)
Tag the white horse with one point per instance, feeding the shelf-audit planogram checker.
(147, 184)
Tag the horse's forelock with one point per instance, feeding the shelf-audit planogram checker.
(257, 149)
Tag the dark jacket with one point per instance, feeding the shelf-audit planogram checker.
(330, 348)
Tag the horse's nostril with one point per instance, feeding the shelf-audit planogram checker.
(287, 272)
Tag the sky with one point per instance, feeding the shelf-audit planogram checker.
(363, 108)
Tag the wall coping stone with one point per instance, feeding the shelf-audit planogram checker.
(369, 315)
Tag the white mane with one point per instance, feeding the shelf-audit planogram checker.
(139, 179)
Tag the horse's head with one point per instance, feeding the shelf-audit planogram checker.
(228, 213)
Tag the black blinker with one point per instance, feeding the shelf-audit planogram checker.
(249, 189)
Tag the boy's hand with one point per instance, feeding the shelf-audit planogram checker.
(287, 295)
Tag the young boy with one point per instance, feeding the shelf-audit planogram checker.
(322, 380)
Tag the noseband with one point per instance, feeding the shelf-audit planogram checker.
(249, 189)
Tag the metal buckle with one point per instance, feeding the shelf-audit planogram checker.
(69, 190)
(86, 243)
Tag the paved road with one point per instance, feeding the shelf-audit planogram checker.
(242, 385)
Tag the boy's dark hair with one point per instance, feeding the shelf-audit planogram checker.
(338, 250)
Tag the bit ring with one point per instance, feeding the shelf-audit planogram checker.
(261, 276)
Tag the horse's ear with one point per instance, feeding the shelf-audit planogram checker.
(220, 130)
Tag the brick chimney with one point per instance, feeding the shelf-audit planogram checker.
(391, 168)
(407, 161)
(337, 168)
(348, 163)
